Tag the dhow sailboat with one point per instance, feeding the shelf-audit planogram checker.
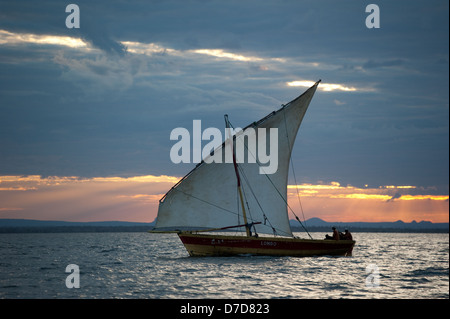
(216, 197)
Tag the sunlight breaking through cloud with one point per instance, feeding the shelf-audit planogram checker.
(384, 193)
(227, 55)
(327, 87)
(151, 49)
(136, 198)
(147, 48)
(11, 38)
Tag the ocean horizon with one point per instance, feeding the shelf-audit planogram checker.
(312, 224)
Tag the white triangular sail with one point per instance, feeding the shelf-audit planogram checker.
(207, 196)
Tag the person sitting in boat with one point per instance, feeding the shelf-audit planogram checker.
(347, 235)
(335, 235)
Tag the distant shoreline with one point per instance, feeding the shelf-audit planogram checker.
(312, 225)
(112, 229)
(73, 229)
(373, 230)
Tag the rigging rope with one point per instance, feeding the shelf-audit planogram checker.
(295, 179)
(254, 195)
(206, 202)
(257, 201)
(279, 193)
(231, 212)
(285, 200)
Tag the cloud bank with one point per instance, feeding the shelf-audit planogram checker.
(102, 100)
(136, 199)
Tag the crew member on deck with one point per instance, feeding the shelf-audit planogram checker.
(335, 233)
(347, 235)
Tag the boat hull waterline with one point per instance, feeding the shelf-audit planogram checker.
(223, 245)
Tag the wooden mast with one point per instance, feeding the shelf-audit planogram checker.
(247, 228)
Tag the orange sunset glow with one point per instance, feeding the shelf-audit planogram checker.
(136, 199)
(334, 202)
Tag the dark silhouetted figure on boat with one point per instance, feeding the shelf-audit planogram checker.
(335, 235)
(347, 235)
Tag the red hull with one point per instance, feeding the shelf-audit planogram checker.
(223, 245)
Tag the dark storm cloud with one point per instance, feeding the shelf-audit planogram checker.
(381, 64)
(99, 38)
(108, 110)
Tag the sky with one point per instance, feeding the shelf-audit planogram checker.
(86, 113)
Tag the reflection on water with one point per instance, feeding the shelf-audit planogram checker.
(143, 265)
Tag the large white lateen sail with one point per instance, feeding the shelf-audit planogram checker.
(207, 197)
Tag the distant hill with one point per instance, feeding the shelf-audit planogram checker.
(313, 224)
(52, 223)
(317, 224)
(46, 226)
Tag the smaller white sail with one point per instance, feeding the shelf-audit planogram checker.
(207, 197)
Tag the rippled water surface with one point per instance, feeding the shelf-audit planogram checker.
(143, 265)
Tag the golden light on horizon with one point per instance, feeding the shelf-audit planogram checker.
(384, 193)
(424, 197)
(73, 198)
(362, 196)
(140, 179)
(136, 198)
(331, 185)
(335, 202)
(399, 187)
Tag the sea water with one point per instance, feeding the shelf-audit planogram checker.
(157, 266)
